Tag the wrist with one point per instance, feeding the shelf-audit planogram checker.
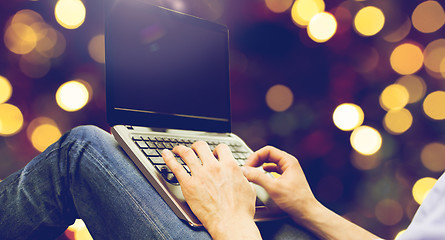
(308, 212)
(234, 228)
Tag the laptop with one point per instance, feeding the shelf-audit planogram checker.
(167, 83)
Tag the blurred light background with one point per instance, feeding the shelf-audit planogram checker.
(354, 89)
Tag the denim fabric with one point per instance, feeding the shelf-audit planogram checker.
(86, 175)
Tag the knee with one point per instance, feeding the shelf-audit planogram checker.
(88, 133)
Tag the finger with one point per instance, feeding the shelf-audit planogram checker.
(203, 150)
(272, 168)
(177, 169)
(271, 154)
(258, 177)
(257, 158)
(223, 153)
(189, 157)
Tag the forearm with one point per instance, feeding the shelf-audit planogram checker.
(328, 225)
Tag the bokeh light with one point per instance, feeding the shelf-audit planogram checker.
(36, 41)
(303, 11)
(400, 33)
(355, 63)
(80, 230)
(96, 48)
(70, 14)
(279, 98)
(43, 132)
(434, 54)
(365, 162)
(399, 234)
(278, 6)
(52, 45)
(398, 121)
(11, 119)
(406, 59)
(34, 65)
(23, 32)
(20, 38)
(48, 40)
(26, 16)
(366, 140)
(442, 68)
(348, 116)
(432, 156)
(434, 105)
(5, 89)
(389, 212)
(369, 21)
(428, 17)
(415, 86)
(322, 27)
(394, 97)
(73, 95)
(422, 187)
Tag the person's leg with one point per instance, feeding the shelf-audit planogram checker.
(86, 175)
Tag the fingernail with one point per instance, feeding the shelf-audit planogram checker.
(166, 152)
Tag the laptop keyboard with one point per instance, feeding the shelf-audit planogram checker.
(152, 147)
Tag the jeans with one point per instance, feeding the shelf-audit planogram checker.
(86, 175)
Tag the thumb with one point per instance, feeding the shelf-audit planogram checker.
(257, 176)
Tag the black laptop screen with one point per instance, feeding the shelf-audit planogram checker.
(165, 69)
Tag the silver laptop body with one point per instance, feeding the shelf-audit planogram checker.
(167, 77)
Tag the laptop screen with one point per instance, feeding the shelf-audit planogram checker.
(165, 69)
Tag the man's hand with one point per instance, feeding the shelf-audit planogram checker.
(216, 191)
(291, 191)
